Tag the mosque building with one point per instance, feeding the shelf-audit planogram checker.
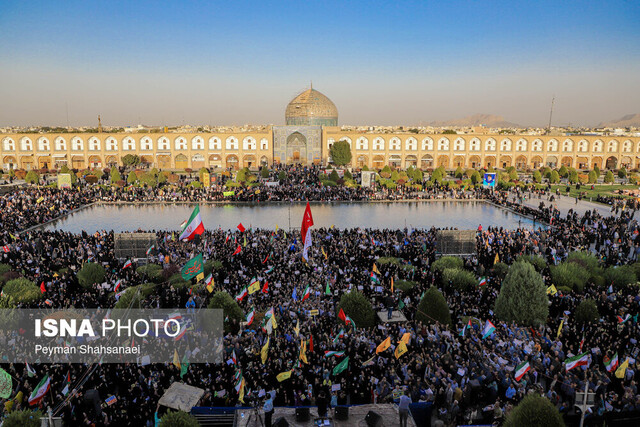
(311, 128)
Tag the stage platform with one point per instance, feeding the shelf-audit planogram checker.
(397, 317)
(357, 414)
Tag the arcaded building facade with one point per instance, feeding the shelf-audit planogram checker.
(311, 129)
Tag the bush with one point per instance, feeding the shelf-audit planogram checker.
(178, 419)
(340, 153)
(620, 276)
(4, 268)
(533, 411)
(91, 179)
(433, 307)
(333, 176)
(195, 184)
(151, 271)
(587, 312)
(149, 179)
(23, 418)
(386, 172)
(573, 177)
(224, 301)
(132, 178)
(404, 285)
(115, 175)
(178, 282)
(388, 260)
(588, 261)
(210, 265)
(537, 176)
(32, 177)
(571, 275)
(282, 176)
(22, 290)
(523, 296)
(622, 173)
(536, 260)
(264, 172)
(132, 297)
(461, 279)
(554, 178)
(563, 171)
(447, 262)
(90, 273)
(358, 307)
(500, 270)
(608, 178)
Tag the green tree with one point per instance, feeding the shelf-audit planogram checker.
(282, 176)
(115, 175)
(449, 132)
(333, 176)
(386, 172)
(596, 169)
(462, 280)
(447, 262)
(573, 176)
(593, 177)
(433, 307)
(587, 312)
(131, 160)
(162, 178)
(458, 174)
(202, 171)
(23, 418)
(569, 275)
(608, 178)
(513, 175)
(132, 178)
(178, 419)
(537, 176)
(563, 172)
(358, 307)
(22, 290)
(622, 173)
(32, 177)
(534, 411)
(224, 301)
(90, 274)
(523, 296)
(264, 172)
(554, 178)
(340, 153)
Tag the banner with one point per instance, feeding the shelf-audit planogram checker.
(64, 180)
(228, 193)
(489, 180)
(206, 179)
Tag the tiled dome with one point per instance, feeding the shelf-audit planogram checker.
(311, 108)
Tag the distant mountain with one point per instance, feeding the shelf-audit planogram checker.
(488, 120)
(630, 120)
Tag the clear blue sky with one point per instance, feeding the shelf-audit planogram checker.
(237, 62)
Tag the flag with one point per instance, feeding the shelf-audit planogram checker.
(6, 384)
(333, 353)
(40, 199)
(342, 316)
(306, 293)
(369, 362)
(265, 287)
(465, 327)
(375, 268)
(622, 369)
(488, 330)
(400, 349)
(194, 225)
(127, 264)
(384, 345)
(305, 231)
(265, 260)
(611, 364)
(234, 359)
(241, 295)
(483, 281)
(294, 295)
(496, 259)
(254, 286)
(349, 321)
(65, 390)
(209, 283)
(184, 365)
(610, 290)
(341, 366)
(5, 248)
(303, 351)
(327, 290)
(40, 390)
(237, 251)
(392, 285)
(283, 376)
(340, 335)
(265, 351)
(324, 253)
(192, 268)
(240, 228)
(575, 361)
(296, 329)
(581, 343)
(227, 238)
(559, 329)
(117, 286)
(245, 242)
(30, 371)
(374, 278)
(150, 249)
(251, 316)
(311, 343)
(522, 369)
(42, 288)
(551, 290)
(620, 319)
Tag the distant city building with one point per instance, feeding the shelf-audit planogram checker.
(311, 129)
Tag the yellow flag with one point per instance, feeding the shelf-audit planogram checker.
(255, 287)
(210, 286)
(241, 394)
(200, 277)
(273, 322)
(324, 253)
(622, 369)
(400, 349)
(375, 268)
(265, 351)
(276, 227)
(384, 345)
(283, 376)
(496, 259)
(560, 328)
(297, 328)
(303, 351)
(333, 226)
(551, 290)
(40, 199)
(176, 359)
(406, 338)
(245, 241)
(392, 285)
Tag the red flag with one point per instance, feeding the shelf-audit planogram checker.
(227, 239)
(311, 343)
(42, 288)
(5, 248)
(307, 221)
(265, 260)
(241, 228)
(342, 316)
(237, 251)
(265, 287)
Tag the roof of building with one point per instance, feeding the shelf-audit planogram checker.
(311, 104)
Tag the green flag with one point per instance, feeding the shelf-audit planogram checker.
(341, 366)
(193, 267)
(327, 291)
(400, 305)
(6, 385)
(184, 365)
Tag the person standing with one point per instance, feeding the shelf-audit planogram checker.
(268, 408)
(403, 408)
(389, 302)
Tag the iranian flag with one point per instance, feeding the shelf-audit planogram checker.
(305, 231)
(251, 316)
(117, 286)
(306, 294)
(194, 225)
(612, 363)
(40, 390)
(488, 330)
(522, 369)
(127, 264)
(243, 293)
(333, 353)
(483, 281)
(575, 361)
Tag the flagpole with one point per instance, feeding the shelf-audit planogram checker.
(584, 400)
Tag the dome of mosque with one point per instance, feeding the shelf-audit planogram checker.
(311, 108)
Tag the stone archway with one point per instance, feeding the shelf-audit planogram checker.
(362, 161)
(164, 161)
(215, 161)
(458, 162)
(410, 161)
(378, 162)
(232, 162)
(536, 162)
(552, 161)
(395, 161)
(582, 163)
(297, 148)
(505, 161)
(95, 162)
(426, 162)
(27, 162)
(197, 161)
(521, 162)
(596, 161)
(264, 161)
(474, 162)
(612, 163)
(44, 162)
(490, 162)
(249, 161)
(566, 161)
(77, 162)
(443, 161)
(182, 161)
(626, 162)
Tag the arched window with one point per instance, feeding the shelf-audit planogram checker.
(60, 144)
(362, 143)
(26, 144)
(8, 144)
(474, 144)
(231, 143)
(197, 143)
(505, 145)
(128, 144)
(43, 144)
(378, 144)
(215, 143)
(552, 145)
(146, 143)
(583, 146)
(180, 143)
(536, 145)
(264, 144)
(521, 145)
(249, 143)
(443, 144)
(567, 146)
(163, 143)
(626, 146)
(490, 145)
(458, 144)
(597, 146)
(411, 144)
(394, 143)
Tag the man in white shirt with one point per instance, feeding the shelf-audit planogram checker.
(403, 408)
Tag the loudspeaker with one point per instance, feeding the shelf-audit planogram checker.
(342, 413)
(280, 422)
(373, 419)
(302, 414)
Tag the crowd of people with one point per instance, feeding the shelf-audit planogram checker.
(461, 375)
